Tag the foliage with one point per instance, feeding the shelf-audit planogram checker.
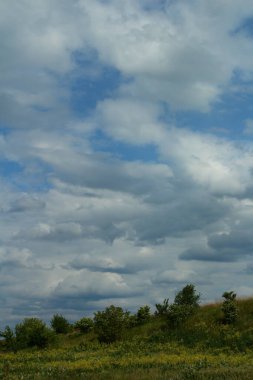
(84, 325)
(200, 348)
(185, 304)
(187, 296)
(127, 360)
(111, 323)
(162, 309)
(33, 332)
(132, 320)
(143, 314)
(229, 307)
(60, 324)
(9, 339)
(178, 314)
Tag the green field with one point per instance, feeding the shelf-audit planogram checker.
(127, 360)
(201, 348)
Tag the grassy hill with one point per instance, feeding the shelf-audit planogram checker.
(203, 347)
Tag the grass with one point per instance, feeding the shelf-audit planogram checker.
(203, 348)
(126, 360)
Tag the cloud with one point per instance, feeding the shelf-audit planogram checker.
(174, 56)
(87, 85)
(120, 117)
(248, 127)
(227, 247)
(90, 285)
(25, 203)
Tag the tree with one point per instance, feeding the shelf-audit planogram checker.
(33, 332)
(185, 304)
(143, 314)
(229, 307)
(9, 339)
(111, 323)
(84, 325)
(60, 324)
(162, 309)
(187, 297)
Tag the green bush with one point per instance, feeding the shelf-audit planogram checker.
(10, 342)
(229, 307)
(33, 332)
(187, 297)
(185, 304)
(178, 314)
(60, 324)
(162, 309)
(143, 314)
(111, 323)
(84, 325)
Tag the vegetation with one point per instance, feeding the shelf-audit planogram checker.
(84, 325)
(229, 307)
(208, 342)
(162, 309)
(60, 324)
(185, 304)
(143, 314)
(33, 332)
(110, 324)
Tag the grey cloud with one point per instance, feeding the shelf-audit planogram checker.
(93, 285)
(120, 265)
(206, 254)
(240, 240)
(249, 269)
(223, 247)
(63, 232)
(26, 203)
(98, 264)
(194, 210)
(12, 257)
(111, 174)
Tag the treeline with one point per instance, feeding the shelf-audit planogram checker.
(112, 323)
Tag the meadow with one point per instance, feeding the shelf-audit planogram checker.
(127, 360)
(203, 347)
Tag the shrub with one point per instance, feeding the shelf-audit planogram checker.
(185, 304)
(110, 323)
(84, 325)
(178, 314)
(229, 307)
(9, 339)
(187, 296)
(33, 332)
(143, 314)
(132, 320)
(60, 324)
(162, 309)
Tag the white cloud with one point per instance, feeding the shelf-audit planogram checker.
(248, 127)
(219, 165)
(130, 121)
(104, 229)
(93, 285)
(184, 57)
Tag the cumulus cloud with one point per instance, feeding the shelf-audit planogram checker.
(90, 285)
(84, 220)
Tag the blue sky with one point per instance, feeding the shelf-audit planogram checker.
(126, 153)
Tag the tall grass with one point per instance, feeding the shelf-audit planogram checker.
(202, 348)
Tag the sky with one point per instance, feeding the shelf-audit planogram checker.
(126, 153)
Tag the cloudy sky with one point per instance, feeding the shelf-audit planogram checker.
(126, 153)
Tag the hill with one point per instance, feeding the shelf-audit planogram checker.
(202, 347)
